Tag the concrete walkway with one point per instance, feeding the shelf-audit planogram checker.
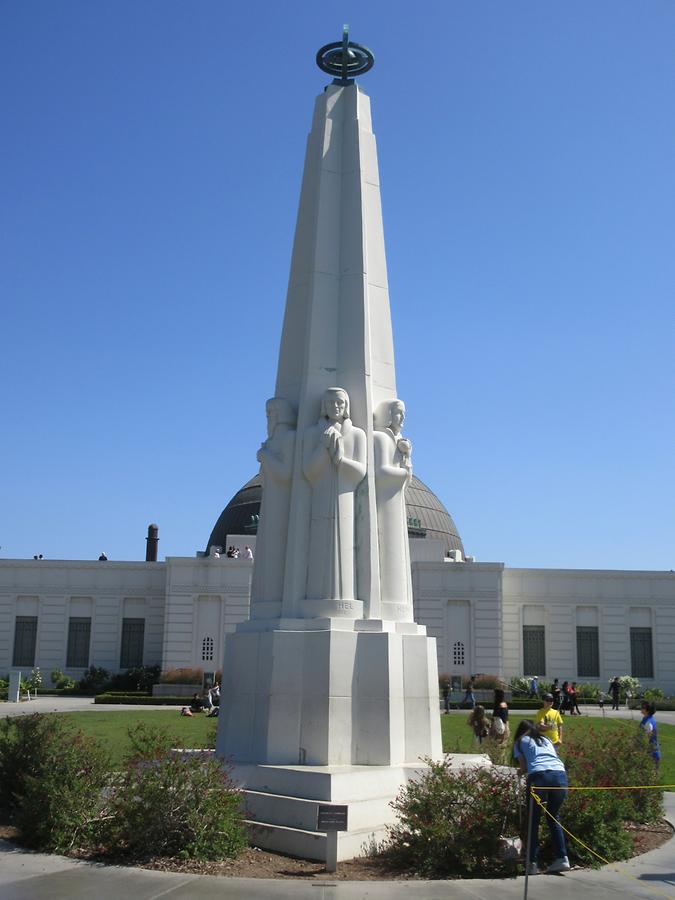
(36, 876)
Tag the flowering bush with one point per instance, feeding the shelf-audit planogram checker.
(182, 676)
(613, 759)
(519, 685)
(450, 821)
(34, 680)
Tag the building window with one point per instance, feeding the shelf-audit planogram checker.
(131, 652)
(641, 657)
(588, 651)
(25, 634)
(534, 652)
(458, 654)
(207, 649)
(79, 633)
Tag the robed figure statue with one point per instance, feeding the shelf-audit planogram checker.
(393, 473)
(276, 464)
(334, 462)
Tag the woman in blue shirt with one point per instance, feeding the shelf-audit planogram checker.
(538, 759)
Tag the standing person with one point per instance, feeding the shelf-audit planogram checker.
(468, 694)
(614, 690)
(545, 772)
(648, 725)
(549, 721)
(555, 690)
(499, 729)
(574, 700)
(564, 697)
(478, 723)
(534, 688)
(601, 701)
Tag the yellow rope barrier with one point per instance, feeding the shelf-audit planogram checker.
(615, 787)
(538, 800)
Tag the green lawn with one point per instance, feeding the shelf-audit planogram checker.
(111, 727)
(457, 736)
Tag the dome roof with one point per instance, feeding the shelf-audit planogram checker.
(427, 517)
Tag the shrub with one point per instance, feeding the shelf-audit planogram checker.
(139, 678)
(519, 685)
(61, 681)
(614, 759)
(51, 781)
(653, 694)
(450, 821)
(484, 682)
(629, 684)
(34, 680)
(140, 700)
(94, 680)
(182, 676)
(22, 740)
(169, 804)
(61, 808)
(600, 759)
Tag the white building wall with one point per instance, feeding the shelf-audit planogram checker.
(201, 583)
(499, 601)
(55, 590)
(613, 599)
(438, 584)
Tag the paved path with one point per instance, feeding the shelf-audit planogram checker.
(36, 876)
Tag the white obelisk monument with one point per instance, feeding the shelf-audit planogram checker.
(330, 690)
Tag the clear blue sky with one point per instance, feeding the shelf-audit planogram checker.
(151, 163)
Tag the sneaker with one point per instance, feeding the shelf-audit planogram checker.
(559, 865)
(532, 869)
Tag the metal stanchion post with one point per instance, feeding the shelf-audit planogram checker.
(530, 810)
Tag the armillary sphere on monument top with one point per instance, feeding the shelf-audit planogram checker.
(344, 59)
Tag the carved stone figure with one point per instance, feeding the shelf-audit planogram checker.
(334, 463)
(393, 472)
(276, 463)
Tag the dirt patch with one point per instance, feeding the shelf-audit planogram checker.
(256, 863)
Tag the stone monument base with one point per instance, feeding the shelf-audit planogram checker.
(282, 804)
(329, 692)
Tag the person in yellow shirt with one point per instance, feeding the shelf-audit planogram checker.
(549, 721)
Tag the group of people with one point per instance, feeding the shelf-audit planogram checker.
(496, 726)
(235, 553)
(209, 700)
(535, 750)
(565, 697)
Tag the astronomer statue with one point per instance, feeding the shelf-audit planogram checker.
(334, 463)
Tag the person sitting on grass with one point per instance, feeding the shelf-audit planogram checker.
(197, 704)
(537, 758)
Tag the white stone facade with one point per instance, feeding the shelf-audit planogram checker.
(476, 612)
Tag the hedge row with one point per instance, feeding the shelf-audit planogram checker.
(141, 700)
